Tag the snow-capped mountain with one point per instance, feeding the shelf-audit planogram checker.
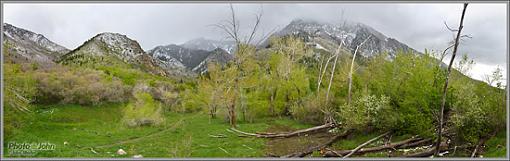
(218, 55)
(28, 46)
(209, 45)
(327, 36)
(179, 56)
(112, 48)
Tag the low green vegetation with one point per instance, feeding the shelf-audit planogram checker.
(97, 131)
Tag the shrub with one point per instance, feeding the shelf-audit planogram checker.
(369, 112)
(144, 110)
(79, 86)
(312, 110)
(477, 111)
(165, 93)
(193, 101)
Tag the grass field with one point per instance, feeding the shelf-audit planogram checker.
(97, 131)
(79, 131)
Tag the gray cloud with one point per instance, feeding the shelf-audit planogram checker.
(418, 25)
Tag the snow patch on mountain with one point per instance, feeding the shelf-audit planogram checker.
(210, 45)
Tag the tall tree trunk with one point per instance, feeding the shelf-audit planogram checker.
(320, 75)
(271, 103)
(323, 73)
(445, 89)
(232, 114)
(333, 70)
(349, 94)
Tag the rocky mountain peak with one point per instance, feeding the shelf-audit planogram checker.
(28, 46)
(115, 44)
(329, 35)
(217, 55)
(105, 48)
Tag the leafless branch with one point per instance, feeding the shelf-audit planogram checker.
(256, 25)
(266, 36)
(448, 27)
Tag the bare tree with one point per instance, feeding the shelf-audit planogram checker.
(232, 28)
(323, 72)
(445, 89)
(337, 53)
(495, 77)
(349, 94)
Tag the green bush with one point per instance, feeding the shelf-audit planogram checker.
(477, 110)
(414, 84)
(193, 101)
(369, 112)
(144, 110)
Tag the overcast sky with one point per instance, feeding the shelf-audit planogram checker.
(418, 25)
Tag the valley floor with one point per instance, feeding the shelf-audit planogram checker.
(96, 132)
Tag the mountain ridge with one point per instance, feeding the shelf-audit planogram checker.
(105, 48)
(29, 46)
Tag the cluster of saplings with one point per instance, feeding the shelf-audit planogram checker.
(400, 93)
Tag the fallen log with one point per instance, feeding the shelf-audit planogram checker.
(217, 136)
(481, 142)
(429, 152)
(318, 147)
(284, 135)
(365, 144)
(415, 144)
(397, 145)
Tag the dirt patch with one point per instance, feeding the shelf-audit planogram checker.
(284, 146)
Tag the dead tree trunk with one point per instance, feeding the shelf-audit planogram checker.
(232, 113)
(411, 142)
(481, 142)
(443, 146)
(445, 89)
(320, 75)
(418, 143)
(431, 151)
(365, 144)
(333, 70)
(349, 95)
(289, 134)
(318, 147)
(323, 72)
